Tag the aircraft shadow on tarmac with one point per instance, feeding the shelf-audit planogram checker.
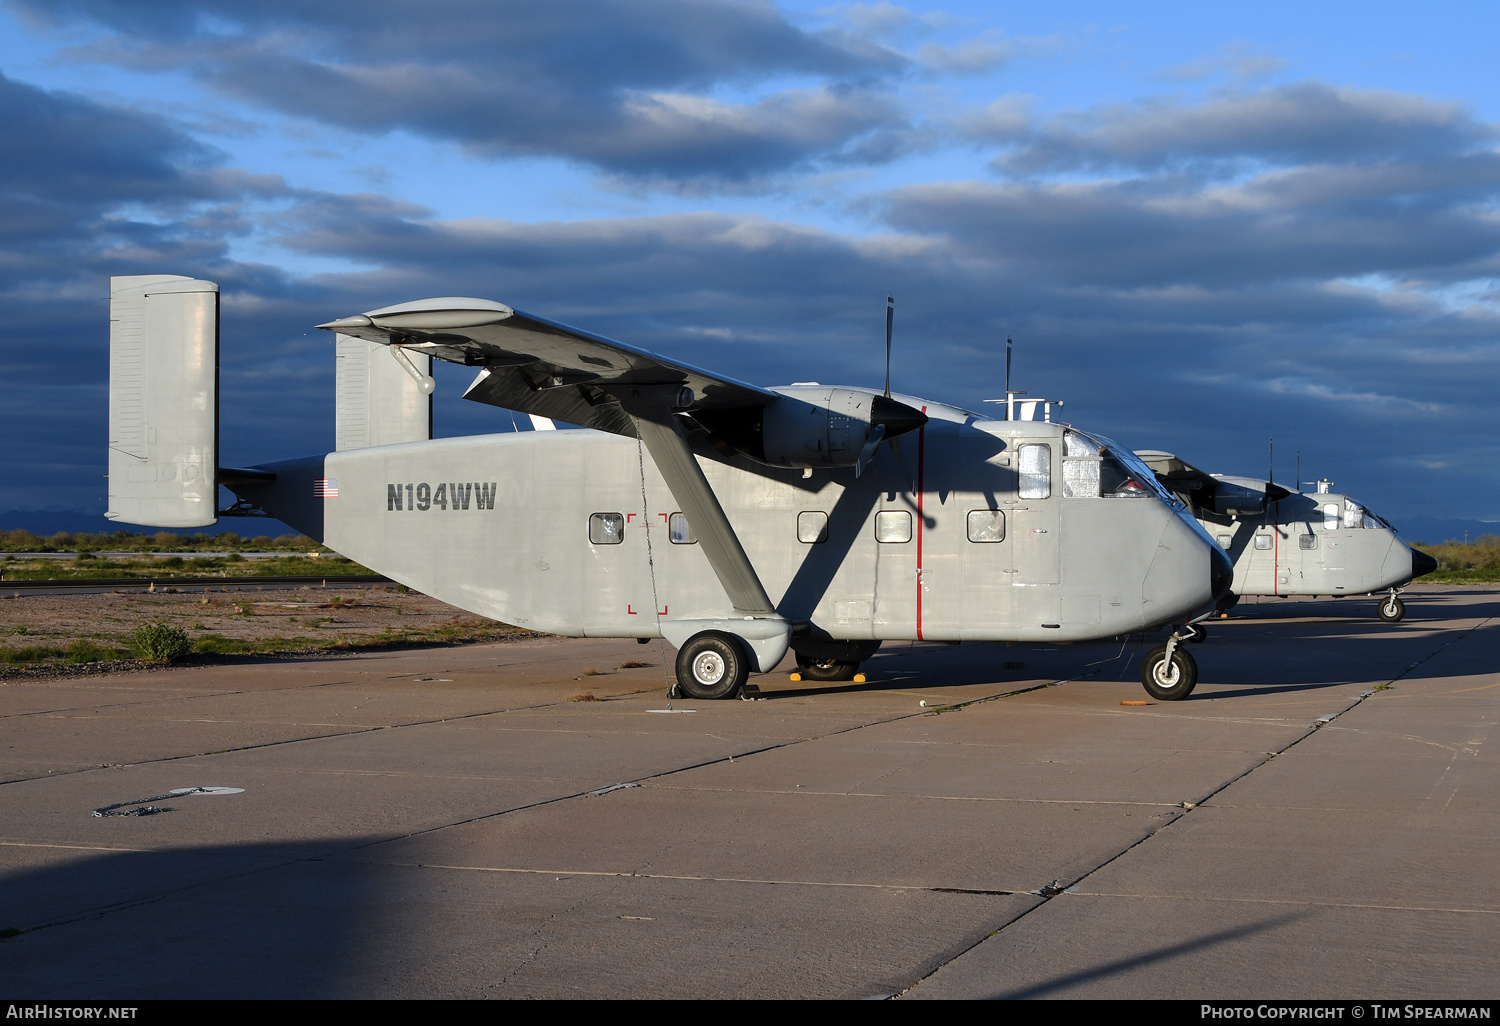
(1048, 988)
(1264, 650)
(261, 920)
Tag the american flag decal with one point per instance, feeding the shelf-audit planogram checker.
(326, 488)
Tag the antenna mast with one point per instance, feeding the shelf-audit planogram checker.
(1007, 378)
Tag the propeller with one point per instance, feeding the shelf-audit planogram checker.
(890, 318)
(889, 418)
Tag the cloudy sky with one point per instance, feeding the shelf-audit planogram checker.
(1203, 228)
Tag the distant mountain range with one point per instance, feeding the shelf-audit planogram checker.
(49, 522)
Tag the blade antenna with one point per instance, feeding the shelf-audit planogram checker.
(890, 318)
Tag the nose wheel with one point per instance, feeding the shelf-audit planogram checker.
(1392, 609)
(1169, 672)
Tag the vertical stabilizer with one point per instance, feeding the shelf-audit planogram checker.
(163, 400)
(378, 402)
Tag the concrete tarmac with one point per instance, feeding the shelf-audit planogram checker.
(1318, 820)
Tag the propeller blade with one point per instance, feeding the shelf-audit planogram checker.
(890, 317)
(866, 454)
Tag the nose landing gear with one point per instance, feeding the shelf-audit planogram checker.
(1392, 609)
(1169, 673)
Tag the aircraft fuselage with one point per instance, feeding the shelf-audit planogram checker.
(573, 533)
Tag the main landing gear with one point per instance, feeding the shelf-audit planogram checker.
(1392, 609)
(712, 665)
(825, 669)
(1169, 672)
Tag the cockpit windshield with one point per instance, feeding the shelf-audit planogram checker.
(1095, 466)
(1356, 515)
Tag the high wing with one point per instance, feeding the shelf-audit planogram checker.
(1209, 494)
(533, 365)
(1178, 475)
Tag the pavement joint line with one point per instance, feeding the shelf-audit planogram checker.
(923, 797)
(1308, 903)
(1191, 806)
(73, 847)
(685, 878)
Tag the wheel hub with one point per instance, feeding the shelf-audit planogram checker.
(708, 668)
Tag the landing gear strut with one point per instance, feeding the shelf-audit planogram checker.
(1169, 673)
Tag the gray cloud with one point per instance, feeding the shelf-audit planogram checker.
(1338, 305)
(1367, 382)
(627, 86)
(1297, 124)
(89, 190)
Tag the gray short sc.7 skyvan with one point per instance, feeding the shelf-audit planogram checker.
(734, 521)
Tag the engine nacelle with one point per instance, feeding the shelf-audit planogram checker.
(817, 427)
(1243, 496)
(810, 426)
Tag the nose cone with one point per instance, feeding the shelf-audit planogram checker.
(896, 417)
(1422, 563)
(1220, 573)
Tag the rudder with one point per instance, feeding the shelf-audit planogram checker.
(163, 400)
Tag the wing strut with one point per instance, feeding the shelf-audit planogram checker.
(669, 448)
(764, 632)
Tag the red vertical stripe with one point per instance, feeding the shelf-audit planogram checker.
(921, 466)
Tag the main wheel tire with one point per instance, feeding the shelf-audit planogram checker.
(1169, 682)
(825, 669)
(712, 665)
(1392, 609)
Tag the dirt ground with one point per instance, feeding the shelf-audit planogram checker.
(239, 618)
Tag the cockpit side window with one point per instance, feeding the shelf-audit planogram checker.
(1354, 516)
(1036, 471)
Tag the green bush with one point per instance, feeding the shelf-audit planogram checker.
(159, 642)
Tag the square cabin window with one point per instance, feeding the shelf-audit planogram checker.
(812, 527)
(1226, 540)
(1262, 541)
(679, 531)
(893, 526)
(607, 528)
(1036, 471)
(1307, 541)
(986, 525)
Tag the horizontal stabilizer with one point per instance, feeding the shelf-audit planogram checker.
(163, 400)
